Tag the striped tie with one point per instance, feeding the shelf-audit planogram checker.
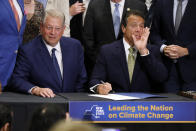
(15, 14)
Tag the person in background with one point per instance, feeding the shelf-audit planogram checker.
(6, 116)
(12, 25)
(50, 63)
(44, 2)
(78, 9)
(151, 7)
(72, 126)
(46, 116)
(174, 30)
(34, 11)
(129, 64)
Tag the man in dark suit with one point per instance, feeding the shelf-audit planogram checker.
(99, 25)
(176, 35)
(121, 70)
(76, 22)
(50, 63)
(12, 27)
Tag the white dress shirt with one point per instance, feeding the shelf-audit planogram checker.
(184, 4)
(120, 8)
(18, 9)
(58, 54)
(86, 3)
(126, 47)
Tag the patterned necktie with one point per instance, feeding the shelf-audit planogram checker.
(56, 65)
(116, 19)
(15, 14)
(178, 16)
(131, 63)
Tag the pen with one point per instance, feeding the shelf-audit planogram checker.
(102, 82)
(111, 91)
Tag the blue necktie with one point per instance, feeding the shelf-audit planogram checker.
(116, 19)
(56, 65)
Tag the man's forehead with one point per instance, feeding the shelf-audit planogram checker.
(132, 16)
(53, 21)
(135, 18)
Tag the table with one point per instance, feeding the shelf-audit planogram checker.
(24, 105)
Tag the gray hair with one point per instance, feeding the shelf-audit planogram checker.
(54, 13)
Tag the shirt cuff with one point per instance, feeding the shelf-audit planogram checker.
(146, 54)
(162, 47)
(94, 88)
(30, 90)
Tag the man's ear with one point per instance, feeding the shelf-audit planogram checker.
(123, 28)
(41, 27)
(6, 127)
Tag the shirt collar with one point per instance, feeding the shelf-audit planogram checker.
(126, 45)
(121, 3)
(49, 47)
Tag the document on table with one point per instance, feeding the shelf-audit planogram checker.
(125, 96)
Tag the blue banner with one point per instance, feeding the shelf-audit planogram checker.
(122, 111)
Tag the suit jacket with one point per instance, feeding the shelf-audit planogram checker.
(10, 37)
(163, 31)
(98, 25)
(76, 25)
(34, 67)
(111, 66)
(62, 5)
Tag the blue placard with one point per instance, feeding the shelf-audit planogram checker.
(122, 111)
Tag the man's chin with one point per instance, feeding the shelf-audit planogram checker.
(52, 43)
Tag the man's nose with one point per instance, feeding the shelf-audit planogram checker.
(53, 31)
(138, 28)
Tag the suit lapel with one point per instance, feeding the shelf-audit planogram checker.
(9, 9)
(108, 16)
(46, 58)
(170, 14)
(23, 22)
(121, 56)
(136, 71)
(120, 34)
(21, 4)
(65, 60)
(186, 15)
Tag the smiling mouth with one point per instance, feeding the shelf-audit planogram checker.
(52, 37)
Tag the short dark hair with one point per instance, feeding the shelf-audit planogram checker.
(132, 12)
(5, 115)
(46, 116)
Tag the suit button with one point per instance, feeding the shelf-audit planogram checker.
(16, 51)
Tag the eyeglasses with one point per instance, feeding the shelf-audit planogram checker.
(50, 28)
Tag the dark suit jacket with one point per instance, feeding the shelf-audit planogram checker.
(34, 67)
(76, 27)
(98, 25)
(10, 38)
(163, 30)
(111, 66)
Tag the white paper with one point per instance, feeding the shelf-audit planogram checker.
(115, 97)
